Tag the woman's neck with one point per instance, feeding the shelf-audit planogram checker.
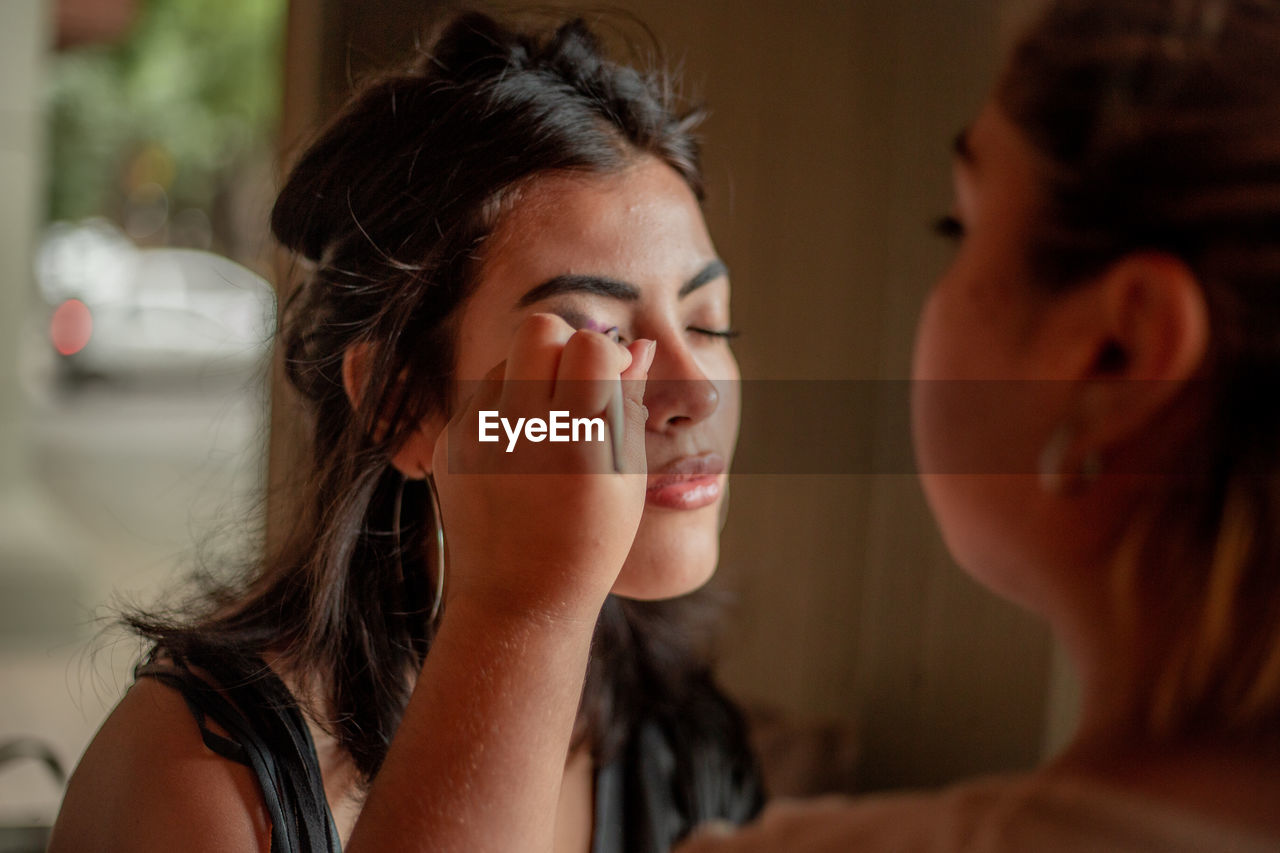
(1234, 779)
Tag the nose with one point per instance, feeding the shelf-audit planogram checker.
(678, 394)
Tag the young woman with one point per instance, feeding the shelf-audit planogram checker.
(474, 210)
(1113, 297)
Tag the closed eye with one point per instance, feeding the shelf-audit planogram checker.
(725, 334)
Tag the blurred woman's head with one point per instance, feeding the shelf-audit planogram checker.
(1118, 275)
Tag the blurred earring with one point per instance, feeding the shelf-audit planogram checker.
(1053, 467)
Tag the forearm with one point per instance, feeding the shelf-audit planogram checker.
(479, 757)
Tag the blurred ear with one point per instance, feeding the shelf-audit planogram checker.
(413, 458)
(1151, 337)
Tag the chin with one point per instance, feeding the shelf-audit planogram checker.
(674, 554)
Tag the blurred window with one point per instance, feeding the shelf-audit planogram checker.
(145, 354)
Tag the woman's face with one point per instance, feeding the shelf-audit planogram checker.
(985, 400)
(631, 251)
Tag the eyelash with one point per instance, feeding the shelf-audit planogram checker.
(949, 228)
(722, 334)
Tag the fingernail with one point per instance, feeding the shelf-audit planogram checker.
(646, 358)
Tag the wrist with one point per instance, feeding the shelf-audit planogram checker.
(514, 613)
(538, 594)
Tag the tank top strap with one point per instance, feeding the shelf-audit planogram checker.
(265, 731)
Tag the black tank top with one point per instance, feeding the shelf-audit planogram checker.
(639, 807)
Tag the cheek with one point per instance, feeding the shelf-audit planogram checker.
(971, 403)
(723, 372)
(922, 353)
(949, 423)
(932, 416)
(974, 421)
(952, 334)
(728, 416)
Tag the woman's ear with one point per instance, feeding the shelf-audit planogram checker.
(413, 458)
(355, 372)
(356, 363)
(1152, 340)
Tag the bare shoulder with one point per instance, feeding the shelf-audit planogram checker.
(148, 782)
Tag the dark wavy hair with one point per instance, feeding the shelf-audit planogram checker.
(1158, 123)
(388, 213)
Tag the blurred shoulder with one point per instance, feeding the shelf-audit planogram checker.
(148, 782)
(994, 815)
(945, 821)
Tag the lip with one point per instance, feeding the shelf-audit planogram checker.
(687, 483)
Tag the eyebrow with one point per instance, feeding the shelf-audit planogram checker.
(612, 288)
(961, 147)
(713, 270)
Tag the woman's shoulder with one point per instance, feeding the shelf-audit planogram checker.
(991, 815)
(149, 782)
(916, 821)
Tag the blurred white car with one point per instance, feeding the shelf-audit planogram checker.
(116, 310)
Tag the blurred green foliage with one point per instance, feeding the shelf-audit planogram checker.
(189, 92)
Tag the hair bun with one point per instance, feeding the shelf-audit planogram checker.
(477, 46)
(303, 219)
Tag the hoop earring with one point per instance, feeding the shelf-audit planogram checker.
(439, 541)
(439, 525)
(1051, 466)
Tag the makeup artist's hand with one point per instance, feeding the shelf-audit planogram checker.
(543, 529)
